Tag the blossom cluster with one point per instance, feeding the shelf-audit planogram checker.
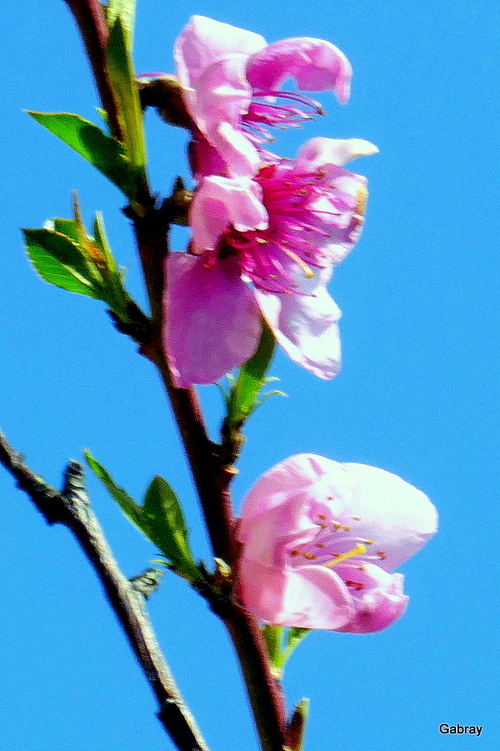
(320, 540)
(267, 231)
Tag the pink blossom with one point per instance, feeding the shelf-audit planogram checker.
(320, 540)
(281, 233)
(231, 80)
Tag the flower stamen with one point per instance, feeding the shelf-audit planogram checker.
(358, 550)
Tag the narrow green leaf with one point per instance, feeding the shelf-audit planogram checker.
(251, 378)
(59, 261)
(121, 75)
(104, 152)
(130, 508)
(167, 527)
(125, 10)
(101, 240)
(160, 518)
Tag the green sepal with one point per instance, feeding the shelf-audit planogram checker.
(121, 75)
(281, 642)
(160, 519)
(59, 261)
(104, 152)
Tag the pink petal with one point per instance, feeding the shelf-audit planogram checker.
(203, 41)
(299, 475)
(306, 597)
(318, 152)
(204, 159)
(305, 325)
(315, 65)
(212, 323)
(378, 608)
(222, 202)
(398, 516)
(220, 97)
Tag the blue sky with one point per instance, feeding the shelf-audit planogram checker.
(417, 395)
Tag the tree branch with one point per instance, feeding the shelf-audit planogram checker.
(212, 478)
(91, 22)
(72, 508)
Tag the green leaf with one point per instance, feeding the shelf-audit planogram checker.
(160, 518)
(166, 524)
(121, 75)
(125, 10)
(251, 378)
(130, 508)
(104, 152)
(59, 261)
(66, 227)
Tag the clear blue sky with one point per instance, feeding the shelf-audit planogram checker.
(418, 393)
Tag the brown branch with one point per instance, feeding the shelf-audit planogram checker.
(72, 508)
(91, 22)
(212, 478)
(211, 475)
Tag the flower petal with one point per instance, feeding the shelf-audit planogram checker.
(220, 97)
(212, 321)
(378, 607)
(318, 152)
(398, 517)
(315, 65)
(222, 202)
(394, 513)
(290, 477)
(305, 325)
(306, 597)
(203, 41)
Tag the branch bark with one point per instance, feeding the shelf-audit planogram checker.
(72, 508)
(89, 17)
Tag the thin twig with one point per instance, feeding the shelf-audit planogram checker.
(91, 22)
(72, 508)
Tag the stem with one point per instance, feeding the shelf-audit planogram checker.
(91, 22)
(211, 475)
(212, 478)
(263, 690)
(72, 508)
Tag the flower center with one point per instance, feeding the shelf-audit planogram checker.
(335, 543)
(270, 257)
(340, 557)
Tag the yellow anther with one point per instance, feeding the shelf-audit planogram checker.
(309, 556)
(356, 517)
(358, 550)
(368, 542)
(261, 241)
(361, 197)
